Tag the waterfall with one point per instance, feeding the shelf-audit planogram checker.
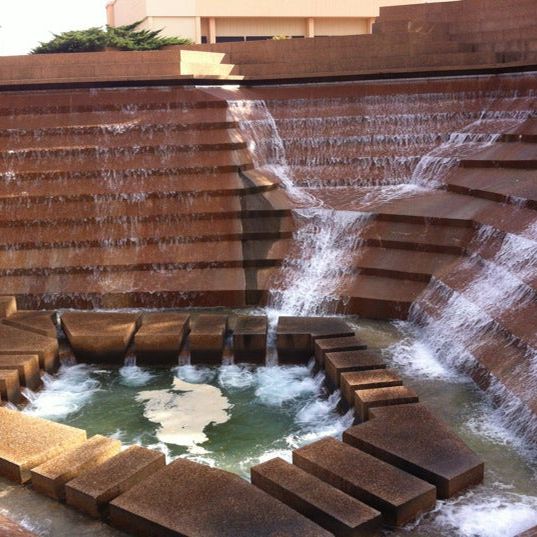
(489, 288)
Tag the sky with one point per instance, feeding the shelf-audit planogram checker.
(24, 23)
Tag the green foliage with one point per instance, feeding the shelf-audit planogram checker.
(121, 38)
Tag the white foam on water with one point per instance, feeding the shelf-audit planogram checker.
(65, 393)
(236, 377)
(132, 375)
(418, 359)
(195, 374)
(488, 514)
(277, 385)
(184, 411)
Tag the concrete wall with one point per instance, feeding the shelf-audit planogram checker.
(235, 18)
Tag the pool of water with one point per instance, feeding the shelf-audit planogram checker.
(233, 417)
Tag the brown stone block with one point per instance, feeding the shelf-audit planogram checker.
(27, 367)
(8, 528)
(8, 306)
(364, 400)
(187, 498)
(14, 341)
(51, 477)
(207, 338)
(352, 381)
(532, 532)
(99, 337)
(92, 491)
(28, 442)
(40, 322)
(399, 496)
(10, 389)
(296, 335)
(337, 512)
(250, 339)
(160, 338)
(339, 344)
(336, 363)
(413, 439)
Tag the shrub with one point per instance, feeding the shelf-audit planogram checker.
(96, 39)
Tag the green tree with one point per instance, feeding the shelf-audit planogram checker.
(126, 37)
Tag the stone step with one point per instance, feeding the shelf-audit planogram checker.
(399, 496)
(250, 338)
(161, 231)
(336, 344)
(99, 337)
(28, 442)
(214, 503)
(14, 341)
(10, 389)
(92, 491)
(338, 363)
(414, 440)
(365, 400)
(326, 505)
(296, 336)
(26, 366)
(354, 380)
(506, 155)
(51, 477)
(134, 289)
(8, 306)
(40, 322)
(207, 338)
(532, 532)
(160, 338)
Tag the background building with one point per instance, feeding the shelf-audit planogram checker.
(216, 21)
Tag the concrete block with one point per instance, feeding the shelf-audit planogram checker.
(27, 367)
(250, 339)
(339, 344)
(207, 338)
(10, 389)
(337, 363)
(364, 400)
(366, 380)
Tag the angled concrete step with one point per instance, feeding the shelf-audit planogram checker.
(8, 306)
(40, 322)
(326, 505)
(338, 363)
(10, 388)
(367, 399)
(26, 366)
(92, 491)
(51, 477)
(351, 381)
(99, 336)
(214, 503)
(160, 337)
(399, 496)
(413, 439)
(336, 344)
(250, 338)
(28, 441)
(207, 338)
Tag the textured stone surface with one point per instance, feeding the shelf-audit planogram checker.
(250, 339)
(366, 380)
(160, 338)
(336, 363)
(28, 442)
(51, 477)
(532, 532)
(10, 389)
(296, 335)
(8, 306)
(16, 341)
(92, 491)
(40, 322)
(324, 346)
(364, 400)
(399, 496)
(193, 500)
(326, 505)
(413, 439)
(99, 337)
(9, 528)
(207, 338)
(27, 367)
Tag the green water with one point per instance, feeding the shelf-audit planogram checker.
(269, 412)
